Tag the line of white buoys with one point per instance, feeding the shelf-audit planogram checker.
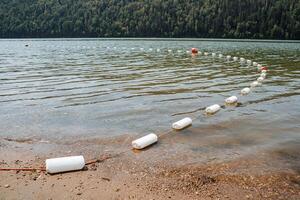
(245, 91)
(144, 141)
(235, 58)
(231, 100)
(212, 109)
(181, 124)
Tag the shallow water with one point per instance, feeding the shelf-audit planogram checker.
(60, 88)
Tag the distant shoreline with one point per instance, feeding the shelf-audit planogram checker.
(161, 39)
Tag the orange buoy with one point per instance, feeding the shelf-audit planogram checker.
(263, 68)
(194, 50)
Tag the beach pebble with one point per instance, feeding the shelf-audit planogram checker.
(6, 186)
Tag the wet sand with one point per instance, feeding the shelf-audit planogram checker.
(155, 173)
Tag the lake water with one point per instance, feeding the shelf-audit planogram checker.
(64, 88)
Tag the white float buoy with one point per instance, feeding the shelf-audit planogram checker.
(158, 50)
(263, 75)
(142, 49)
(242, 60)
(213, 54)
(220, 55)
(249, 62)
(260, 79)
(255, 83)
(213, 109)
(263, 71)
(64, 164)
(181, 124)
(231, 100)
(235, 58)
(255, 64)
(150, 49)
(144, 141)
(206, 53)
(169, 50)
(228, 58)
(245, 91)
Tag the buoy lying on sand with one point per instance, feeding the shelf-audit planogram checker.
(213, 109)
(144, 141)
(64, 164)
(245, 91)
(181, 124)
(231, 100)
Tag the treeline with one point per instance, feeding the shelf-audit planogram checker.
(268, 19)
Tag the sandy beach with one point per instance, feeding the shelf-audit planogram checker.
(141, 175)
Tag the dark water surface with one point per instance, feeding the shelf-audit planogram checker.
(60, 88)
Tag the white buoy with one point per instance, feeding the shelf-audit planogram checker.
(245, 91)
(181, 124)
(144, 141)
(255, 64)
(214, 54)
(206, 53)
(220, 55)
(64, 164)
(179, 51)
(213, 109)
(263, 75)
(158, 50)
(255, 83)
(231, 100)
(150, 49)
(235, 58)
(260, 79)
(228, 58)
(200, 53)
(142, 49)
(249, 62)
(170, 51)
(188, 52)
(242, 60)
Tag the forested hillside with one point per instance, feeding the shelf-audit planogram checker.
(268, 19)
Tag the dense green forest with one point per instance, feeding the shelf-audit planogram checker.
(268, 19)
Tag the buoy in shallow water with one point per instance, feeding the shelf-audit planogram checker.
(64, 164)
(255, 64)
(245, 91)
(249, 62)
(181, 124)
(231, 100)
(263, 75)
(242, 60)
(235, 58)
(194, 50)
(260, 79)
(144, 141)
(206, 53)
(255, 83)
(213, 54)
(213, 109)
(228, 58)
(220, 55)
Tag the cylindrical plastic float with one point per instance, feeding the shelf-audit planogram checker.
(213, 109)
(206, 53)
(231, 100)
(169, 50)
(214, 54)
(181, 124)
(264, 71)
(228, 58)
(64, 164)
(255, 83)
(255, 64)
(144, 141)
(220, 55)
(263, 75)
(245, 91)
(235, 58)
(259, 66)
